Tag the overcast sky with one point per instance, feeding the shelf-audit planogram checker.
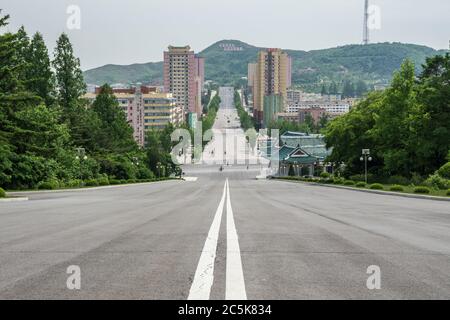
(136, 31)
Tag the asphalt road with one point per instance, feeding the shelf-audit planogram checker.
(225, 235)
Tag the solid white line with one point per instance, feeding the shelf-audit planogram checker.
(235, 284)
(204, 275)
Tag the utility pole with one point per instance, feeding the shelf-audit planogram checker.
(366, 36)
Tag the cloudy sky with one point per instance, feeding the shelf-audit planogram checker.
(136, 31)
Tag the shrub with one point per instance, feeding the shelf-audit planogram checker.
(448, 192)
(399, 180)
(2, 193)
(91, 183)
(338, 181)
(361, 185)
(114, 182)
(49, 185)
(325, 175)
(422, 190)
(131, 181)
(103, 181)
(376, 186)
(74, 183)
(349, 183)
(396, 188)
(123, 181)
(444, 171)
(144, 173)
(437, 182)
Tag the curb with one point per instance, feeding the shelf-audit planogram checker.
(385, 193)
(86, 189)
(17, 199)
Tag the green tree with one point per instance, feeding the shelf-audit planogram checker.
(361, 88)
(433, 118)
(22, 47)
(349, 134)
(114, 134)
(69, 81)
(392, 125)
(333, 88)
(406, 126)
(349, 89)
(40, 77)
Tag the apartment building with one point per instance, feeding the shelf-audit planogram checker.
(145, 108)
(184, 77)
(271, 78)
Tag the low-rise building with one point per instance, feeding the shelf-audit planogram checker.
(333, 108)
(302, 152)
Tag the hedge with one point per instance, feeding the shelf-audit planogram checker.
(422, 190)
(48, 185)
(91, 183)
(376, 186)
(2, 193)
(396, 188)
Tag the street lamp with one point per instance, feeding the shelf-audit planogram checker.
(365, 157)
(159, 166)
(81, 156)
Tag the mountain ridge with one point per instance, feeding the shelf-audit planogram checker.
(373, 63)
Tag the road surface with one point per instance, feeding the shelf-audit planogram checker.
(224, 235)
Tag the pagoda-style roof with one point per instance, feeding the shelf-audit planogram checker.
(293, 155)
(313, 144)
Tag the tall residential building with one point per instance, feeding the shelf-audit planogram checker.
(145, 108)
(184, 77)
(251, 75)
(272, 79)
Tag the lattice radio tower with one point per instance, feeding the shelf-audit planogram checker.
(366, 35)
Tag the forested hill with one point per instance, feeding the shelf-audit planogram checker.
(226, 63)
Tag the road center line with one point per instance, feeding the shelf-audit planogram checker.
(235, 284)
(204, 275)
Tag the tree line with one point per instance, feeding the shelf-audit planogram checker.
(247, 121)
(406, 127)
(49, 136)
(348, 89)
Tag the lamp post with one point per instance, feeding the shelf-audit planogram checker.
(81, 156)
(159, 166)
(365, 157)
(135, 161)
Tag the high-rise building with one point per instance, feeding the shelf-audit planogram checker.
(272, 79)
(251, 75)
(184, 77)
